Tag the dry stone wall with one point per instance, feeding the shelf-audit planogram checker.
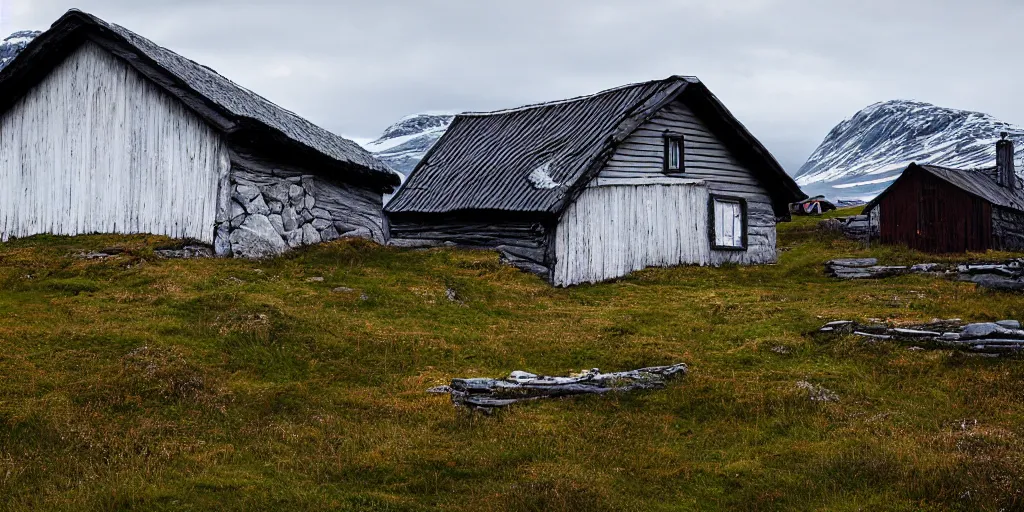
(272, 212)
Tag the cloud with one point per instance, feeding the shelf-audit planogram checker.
(789, 69)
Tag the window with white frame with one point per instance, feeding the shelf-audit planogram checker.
(728, 223)
(673, 153)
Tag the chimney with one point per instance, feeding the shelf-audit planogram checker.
(1004, 163)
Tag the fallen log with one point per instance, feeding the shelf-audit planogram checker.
(489, 394)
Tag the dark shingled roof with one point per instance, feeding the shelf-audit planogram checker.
(237, 111)
(981, 183)
(485, 160)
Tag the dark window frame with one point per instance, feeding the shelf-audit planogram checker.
(680, 139)
(713, 224)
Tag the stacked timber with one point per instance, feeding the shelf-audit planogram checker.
(993, 338)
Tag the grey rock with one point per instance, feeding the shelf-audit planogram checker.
(320, 213)
(290, 219)
(278, 222)
(275, 207)
(279, 193)
(257, 238)
(974, 331)
(310, 202)
(189, 252)
(296, 195)
(321, 224)
(1009, 324)
(237, 221)
(246, 193)
(317, 279)
(854, 263)
(294, 238)
(258, 207)
(306, 216)
(358, 233)
(343, 289)
(330, 234)
(237, 209)
(222, 240)
(310, 236)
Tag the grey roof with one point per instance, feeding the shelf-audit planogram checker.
(225, 104)
(491, 161)
(980, 183)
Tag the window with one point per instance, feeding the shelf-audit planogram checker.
(728, 223)
(673, 153)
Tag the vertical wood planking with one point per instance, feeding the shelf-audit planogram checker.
(96, 148)
(612, 231)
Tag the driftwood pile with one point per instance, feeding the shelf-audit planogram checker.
(489, 394)
(1007, 275)
(992, 338)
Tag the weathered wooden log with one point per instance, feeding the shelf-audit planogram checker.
(488, 394)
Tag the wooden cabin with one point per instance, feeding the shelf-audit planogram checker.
(593, 188)
(103, 131)
(941, 210)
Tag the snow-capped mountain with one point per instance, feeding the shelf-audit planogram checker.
(863, 155)
(405, 143)
(13, 45)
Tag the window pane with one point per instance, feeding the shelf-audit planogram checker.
(728, 223)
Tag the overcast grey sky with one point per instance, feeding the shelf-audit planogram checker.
(789, 69)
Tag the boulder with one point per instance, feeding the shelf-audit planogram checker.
(321, 224)
(296, 196)
(275, 207)
(320, 213)
(290, 219)
(310, 202)
(279, 193)
(245, 193)
(257, 206)
(294, 238)
(310, 236)
(278, 222)
(256, 238)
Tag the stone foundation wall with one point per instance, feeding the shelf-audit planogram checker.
(272, 212)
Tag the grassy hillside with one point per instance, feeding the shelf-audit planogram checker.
(139, 383)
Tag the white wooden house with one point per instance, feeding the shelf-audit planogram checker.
(103, 131)
(593, 188)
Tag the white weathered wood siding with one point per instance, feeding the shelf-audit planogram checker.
(705, 158)
(611, 231)
(96, 148)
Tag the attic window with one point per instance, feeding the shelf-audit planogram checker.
(673, 153)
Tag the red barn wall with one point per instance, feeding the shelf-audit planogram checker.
(930, 215)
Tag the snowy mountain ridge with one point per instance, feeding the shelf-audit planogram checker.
(14, 44)
(864, 154)
(406, 142)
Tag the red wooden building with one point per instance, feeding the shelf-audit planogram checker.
(941, 210)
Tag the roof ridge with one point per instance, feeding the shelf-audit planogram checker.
(691, 79)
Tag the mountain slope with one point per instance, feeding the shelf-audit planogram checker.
(14, 44)
(404, 144)
(864, 154)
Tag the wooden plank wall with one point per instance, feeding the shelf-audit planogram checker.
(930, 215)
(706, 158)
(96, 148)
(611, 231)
